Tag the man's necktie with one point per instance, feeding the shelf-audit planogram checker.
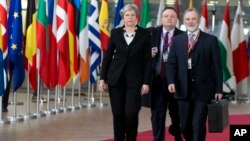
(191, 41)
(164, 50)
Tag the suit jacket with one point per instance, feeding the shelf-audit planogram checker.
(156, 33)
(206, 66)
(156, 42)
(134, 59)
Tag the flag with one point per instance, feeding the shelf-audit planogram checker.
(3, 47)
(137, 3)
(248, 50)
(204, 18)
(176, 7)
(83, 43)
(239, 48)
(43, 42)
(118, 19)
(62, 43)
(146, 17)
(94, 41)
(53, 54)
(191, 4)
(30, 44)
(104, 25)
(73, 49)
(226, 52)
(161, 7)
(15, 36)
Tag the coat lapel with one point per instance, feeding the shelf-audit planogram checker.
(198, 46)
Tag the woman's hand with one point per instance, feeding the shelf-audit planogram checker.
(102, 86)
(144, 89)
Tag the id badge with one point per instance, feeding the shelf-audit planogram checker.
(189, 61)
(165, 56)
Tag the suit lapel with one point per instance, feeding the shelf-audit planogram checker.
(138, 34)
(122, 38)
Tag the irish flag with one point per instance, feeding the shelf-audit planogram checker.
(226, 52)
(240, 58)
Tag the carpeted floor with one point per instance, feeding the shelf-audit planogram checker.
(223, 136)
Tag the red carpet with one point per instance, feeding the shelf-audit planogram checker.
(223, 136)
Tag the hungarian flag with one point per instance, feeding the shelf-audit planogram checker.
(146, 17)
(15, 37)
(83, 43)
(30, 44)
(176, 6)
(239, 48)
(226, 52)
(43, 42)
(248, 50)
(3, 47)
(118, 19)
(62, 42)
(161, 7)
(53, 54)
(204, 18)
(104, 25)
(73, 48)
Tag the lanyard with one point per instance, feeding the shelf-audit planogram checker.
(169, 41)
(195, 41)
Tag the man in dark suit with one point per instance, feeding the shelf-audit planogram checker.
(161, 98)
(194, 74)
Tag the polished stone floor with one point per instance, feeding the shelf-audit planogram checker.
(86, 124)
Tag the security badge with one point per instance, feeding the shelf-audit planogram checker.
(189, 62)
(165, 55)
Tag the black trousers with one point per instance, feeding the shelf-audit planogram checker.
(161, 100)
(125, 104)
(193, 116)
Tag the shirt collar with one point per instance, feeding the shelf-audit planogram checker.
(195, 33)
(171, 32)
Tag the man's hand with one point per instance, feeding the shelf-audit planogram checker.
(154, 51)
(171, 88)
(218, 96)
(144, 89)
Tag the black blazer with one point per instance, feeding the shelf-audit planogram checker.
(156, 42)
(206, 66)
(134, 59)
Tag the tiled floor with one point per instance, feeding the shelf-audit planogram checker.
(86, 124)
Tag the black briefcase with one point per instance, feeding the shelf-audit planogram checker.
(217, 115)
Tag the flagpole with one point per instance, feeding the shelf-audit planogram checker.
(38, 113)
(14, 117)
(6, 121)
(71, 107)
(64, 99)
(48, 111)
(213, 18)
(28, 114)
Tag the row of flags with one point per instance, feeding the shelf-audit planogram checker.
(67, 38)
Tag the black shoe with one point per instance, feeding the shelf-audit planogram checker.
(4, 110)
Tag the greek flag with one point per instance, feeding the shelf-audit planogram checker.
(94, 40)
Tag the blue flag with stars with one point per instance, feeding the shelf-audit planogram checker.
(15, 36)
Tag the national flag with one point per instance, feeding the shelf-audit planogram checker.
(146, 17)
(226, 52)
(3, 47)
(15, 36)
(248, 50)
(104, 25)
(53, 54)
(73, 48)
(161, 7)
(94, 41)
(176, 7)
(30, 44)
(191, 4)
(204, 17)
(118, 19)
(62, 43)
(239, 48)
(43, 42)
(137, 3)
(83, 43)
